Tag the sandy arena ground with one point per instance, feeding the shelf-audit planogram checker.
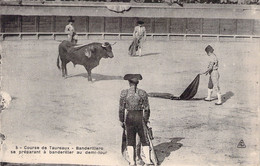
(48, 110)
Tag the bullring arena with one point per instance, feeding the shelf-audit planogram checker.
(68, 115)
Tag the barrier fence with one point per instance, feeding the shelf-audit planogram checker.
(56, 24)
(127, 36)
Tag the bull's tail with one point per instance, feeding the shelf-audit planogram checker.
(58, 62)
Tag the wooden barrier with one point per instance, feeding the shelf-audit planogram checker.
(120, 36)
(126, 25)
(210, 26)
(29, 24)
(256, 27)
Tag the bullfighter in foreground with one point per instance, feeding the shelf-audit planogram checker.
(139, 35)
(135, 119)
(213, 75)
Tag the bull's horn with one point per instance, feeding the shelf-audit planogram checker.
(113, 44)
(80, 45)
(103, 45)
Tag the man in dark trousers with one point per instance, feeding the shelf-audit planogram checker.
(135, 102)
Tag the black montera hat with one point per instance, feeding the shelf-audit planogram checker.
(140, 22)
(133, 77)
(209, 49)
(71, 20)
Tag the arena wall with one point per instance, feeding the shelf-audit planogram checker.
(27, 20)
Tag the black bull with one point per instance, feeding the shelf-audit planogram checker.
(86, 55)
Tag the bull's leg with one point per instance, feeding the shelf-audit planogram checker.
(66, 72)
(89, 74)
(64, 69)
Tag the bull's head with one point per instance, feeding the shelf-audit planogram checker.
(108, 48)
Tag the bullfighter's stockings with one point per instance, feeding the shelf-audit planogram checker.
(146, 150)
(130, 151)
(219, 99)
(209, 95)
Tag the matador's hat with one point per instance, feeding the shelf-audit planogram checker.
(133, 77)
(209, 49)
(140, 22)
(71, 20)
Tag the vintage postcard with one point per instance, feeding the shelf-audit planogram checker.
(120, 87)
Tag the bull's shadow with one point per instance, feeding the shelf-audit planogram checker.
(164, 150)
(97, 77)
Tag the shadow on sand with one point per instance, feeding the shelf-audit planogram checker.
(164, 150)
(97, 77)
(148, 54)
(195, 99)
(227, 96)
(169, 96)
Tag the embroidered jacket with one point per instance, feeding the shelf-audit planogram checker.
(134, 100)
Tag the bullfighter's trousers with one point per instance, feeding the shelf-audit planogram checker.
(135, 125)
(214, 80)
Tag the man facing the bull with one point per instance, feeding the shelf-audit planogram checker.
(70, 30)
(139, 35)
(135, 102)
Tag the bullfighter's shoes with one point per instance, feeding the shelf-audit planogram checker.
(139, 161)
(206, 99)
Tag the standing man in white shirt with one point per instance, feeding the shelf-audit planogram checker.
(140, 35)
(70, 30)
(213, 75)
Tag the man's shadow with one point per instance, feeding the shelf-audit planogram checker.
(227, 96)
(98, 77)
(164, 150)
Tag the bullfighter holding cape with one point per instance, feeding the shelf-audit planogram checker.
(139, 38)
(134, 113)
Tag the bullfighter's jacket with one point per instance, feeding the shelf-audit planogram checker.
(213, 62)
(134, 99)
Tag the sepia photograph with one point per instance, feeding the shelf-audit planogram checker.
(129, 82)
